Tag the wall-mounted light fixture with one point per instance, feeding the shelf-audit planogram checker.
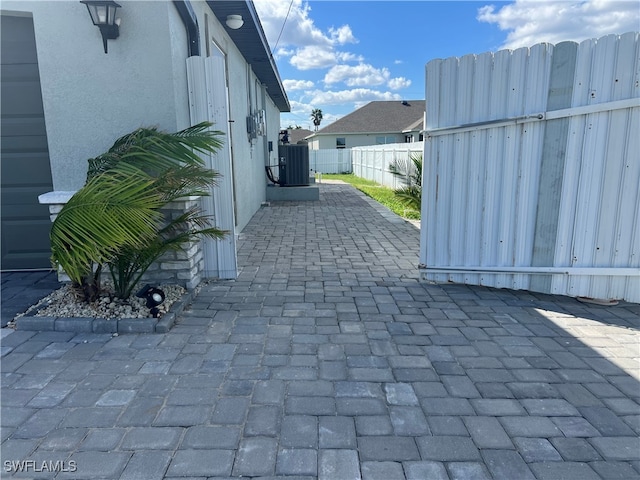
(103, 16)
(234, 22)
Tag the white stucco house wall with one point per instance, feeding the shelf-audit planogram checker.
(174, 64)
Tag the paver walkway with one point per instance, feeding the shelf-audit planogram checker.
(327, 359)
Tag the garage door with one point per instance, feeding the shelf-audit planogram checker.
(25, 170)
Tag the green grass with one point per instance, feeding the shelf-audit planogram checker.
(379, 193)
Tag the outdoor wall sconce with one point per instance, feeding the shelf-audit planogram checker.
(234, 22)
(103, 16)
(154, 297)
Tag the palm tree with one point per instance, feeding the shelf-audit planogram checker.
(410, 173)
(115, 219)
(316, 116)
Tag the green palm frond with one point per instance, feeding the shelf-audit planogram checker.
(115, 218)
(188, 180)
(117, 208)
(410, 196)
(131, 263)
(409, 171)
(157, 151)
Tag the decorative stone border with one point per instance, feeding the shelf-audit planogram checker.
(103, 325)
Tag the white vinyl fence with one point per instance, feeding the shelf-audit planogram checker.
(330, 161)
(532, 169)
(373, 162)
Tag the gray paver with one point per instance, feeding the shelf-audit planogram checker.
(337, 432)
(506, 464)
(564, 470)
(387, 448)
(382, 471)
(146, 464)
(618, 448)
(256, 456)
(409, 421)
(605, 421)
(97, 464)
(468, 471)
(153, 438)
(536, 450)
(487, 432)
(530, 427)
(328, 358)
(297, 462)
(448, 449)
(333, 464)
(422, 470)
(207, 463)
(575, 449)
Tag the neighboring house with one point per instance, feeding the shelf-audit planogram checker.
(376, 123)
(297, 135)
(174, 64)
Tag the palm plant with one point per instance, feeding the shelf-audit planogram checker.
(316, 116)
(410, 173)
(115, 219)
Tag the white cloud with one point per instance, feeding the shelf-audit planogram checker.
(398, 83)
(534, 21)
(342, 35)
(299, 29)
(310, 57)
(321, 97)
(306, 46)
(362, 75)
(297, 84)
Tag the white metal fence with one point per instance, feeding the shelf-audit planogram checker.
(532, 170)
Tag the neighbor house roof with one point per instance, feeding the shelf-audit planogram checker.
(297, 134)
(252, 43)
(380, 117)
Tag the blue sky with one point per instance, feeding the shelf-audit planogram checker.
(340, 55)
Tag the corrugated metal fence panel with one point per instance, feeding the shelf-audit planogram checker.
(372, 162)
(482, 171)
(481, 184)
(600, 201)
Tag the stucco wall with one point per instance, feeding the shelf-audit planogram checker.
(90, 98)
(245, 96)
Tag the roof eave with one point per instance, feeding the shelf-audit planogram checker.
(252, 43)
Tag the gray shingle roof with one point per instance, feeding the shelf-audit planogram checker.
(297, 134)
(380, 117)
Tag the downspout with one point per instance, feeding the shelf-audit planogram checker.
(190, 21)
(265, 138)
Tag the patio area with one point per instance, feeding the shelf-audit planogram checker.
(327, 358)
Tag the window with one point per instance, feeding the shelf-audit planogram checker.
(341, 142)
(408, 139)
(384, 140)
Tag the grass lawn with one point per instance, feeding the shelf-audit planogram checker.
(379, 193)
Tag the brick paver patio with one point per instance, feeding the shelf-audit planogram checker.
(327, 359)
